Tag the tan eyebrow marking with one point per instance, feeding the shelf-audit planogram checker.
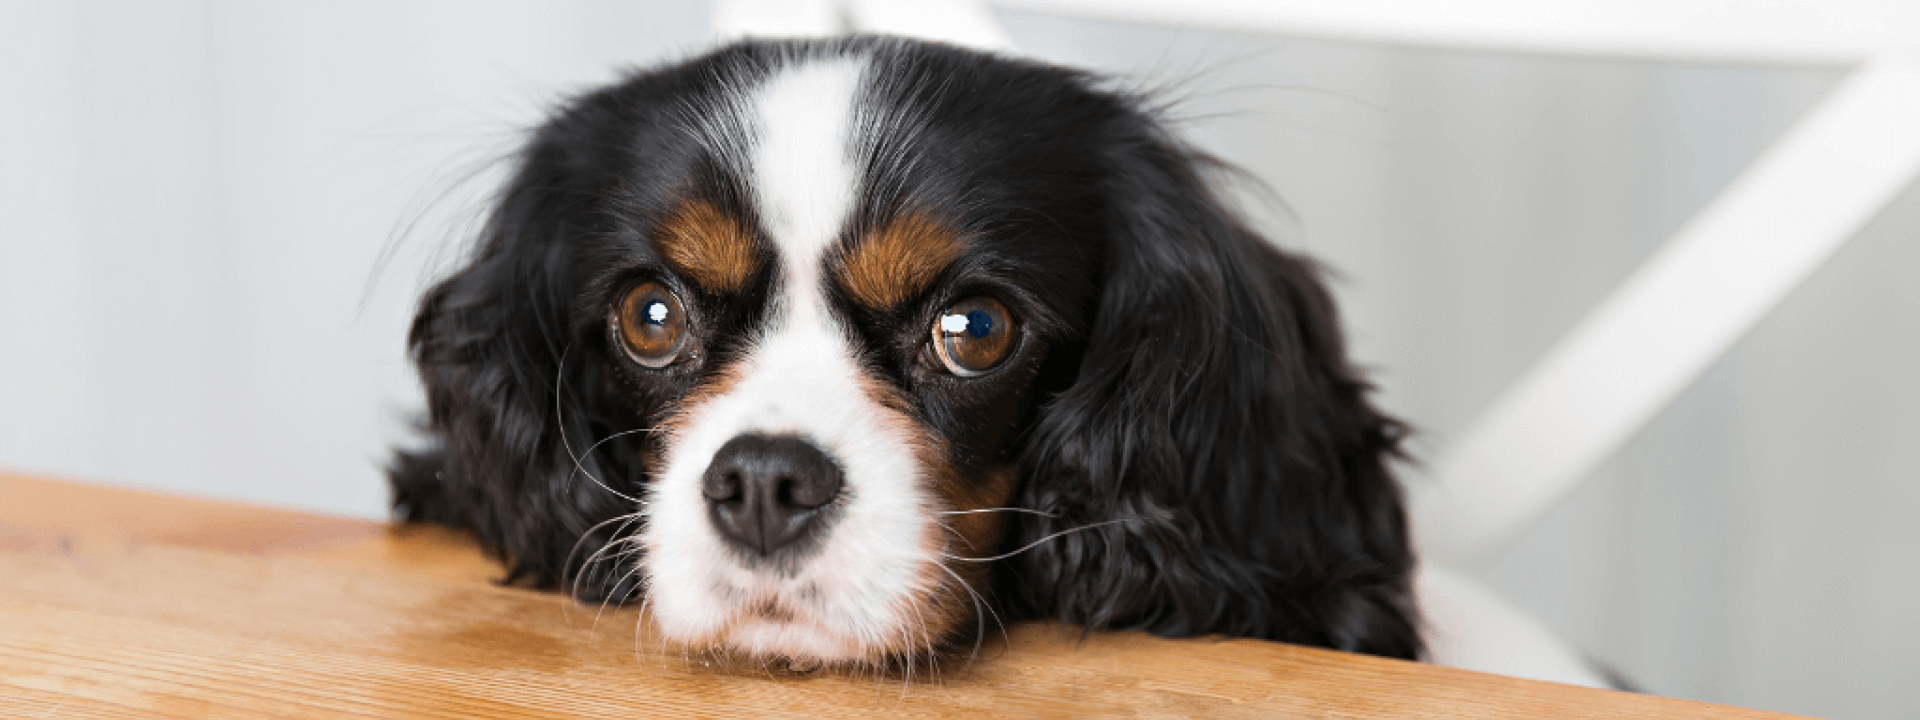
(899, 261)
(709, 245)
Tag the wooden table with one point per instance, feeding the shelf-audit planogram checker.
(124, 603)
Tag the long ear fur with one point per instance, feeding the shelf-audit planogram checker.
(1215, 416)
(489, 342)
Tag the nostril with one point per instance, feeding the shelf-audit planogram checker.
(811, 490)
(722, 486)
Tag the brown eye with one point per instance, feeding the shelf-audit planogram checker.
(974, 336)
(651, 324)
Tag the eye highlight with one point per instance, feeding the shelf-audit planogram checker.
(651, 324)
(974, 336)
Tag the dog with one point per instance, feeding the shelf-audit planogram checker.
(840, 351)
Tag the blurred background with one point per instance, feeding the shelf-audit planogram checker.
(215, 218)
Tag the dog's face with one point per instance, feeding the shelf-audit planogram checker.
(801, 338)
(839, 349)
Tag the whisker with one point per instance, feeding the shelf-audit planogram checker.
(1029, 511)
(980, 631)
(640, 623)
(614, 559)
(933, 657)
(956, 533)
(609, 597)
(933, 668)
(613, 563)
(567, 568)
(624, 520)
(634, 548)
(980, 618)
(622, 433)
(906, 678)
(1036, 543)
(558, 378)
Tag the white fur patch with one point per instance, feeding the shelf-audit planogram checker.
(803, 177)
(853, 597)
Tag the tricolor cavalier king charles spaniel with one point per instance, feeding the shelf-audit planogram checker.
(840, 352)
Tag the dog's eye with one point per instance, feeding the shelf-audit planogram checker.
(974, 336)
(651, 324)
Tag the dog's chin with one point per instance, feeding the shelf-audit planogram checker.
(771, 633)
(803, 642)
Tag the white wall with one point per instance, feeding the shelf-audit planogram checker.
(195, 198)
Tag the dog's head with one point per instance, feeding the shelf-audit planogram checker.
(829, 349)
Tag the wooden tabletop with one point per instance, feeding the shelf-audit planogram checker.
(125, 603)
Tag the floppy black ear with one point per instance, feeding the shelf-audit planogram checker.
(1216, 417)
(489, 342)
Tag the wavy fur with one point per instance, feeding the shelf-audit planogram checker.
(1188, 382)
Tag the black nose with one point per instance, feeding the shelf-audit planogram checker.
(768, 492)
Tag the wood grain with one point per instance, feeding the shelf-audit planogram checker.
(118, 603)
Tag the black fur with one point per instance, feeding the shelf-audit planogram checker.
(1184, 375)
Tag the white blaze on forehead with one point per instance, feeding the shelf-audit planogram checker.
(799, 376)
(802, 169)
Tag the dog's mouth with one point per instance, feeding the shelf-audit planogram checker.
(779, 631)
(778, 635)
(772, 611)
